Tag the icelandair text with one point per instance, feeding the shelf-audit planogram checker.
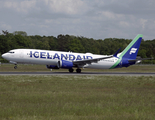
(46, 55)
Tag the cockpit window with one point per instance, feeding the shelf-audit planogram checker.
(11, 52)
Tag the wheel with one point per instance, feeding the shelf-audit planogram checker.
(78, 70)
(71, 70)
(15, 67)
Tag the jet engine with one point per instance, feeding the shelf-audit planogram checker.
(57, 66)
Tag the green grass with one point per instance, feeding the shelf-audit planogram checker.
(39, 68)
(77, 97)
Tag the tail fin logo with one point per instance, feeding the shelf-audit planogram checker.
(133, 50)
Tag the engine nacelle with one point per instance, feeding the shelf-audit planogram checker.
(61, 64)
(57, 66)
(66, 64)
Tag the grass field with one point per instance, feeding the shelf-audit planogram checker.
(37, 68)
(77, 97)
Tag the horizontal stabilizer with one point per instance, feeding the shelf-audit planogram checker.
(139, 58)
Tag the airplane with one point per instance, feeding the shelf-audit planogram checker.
(70, 60)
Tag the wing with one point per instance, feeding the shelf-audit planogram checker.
(89, 61)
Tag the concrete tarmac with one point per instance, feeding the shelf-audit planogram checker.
(82, 73)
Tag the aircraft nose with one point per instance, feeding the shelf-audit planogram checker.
(4, 55)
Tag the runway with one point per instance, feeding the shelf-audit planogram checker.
(82, 73)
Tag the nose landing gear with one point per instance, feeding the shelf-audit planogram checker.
(15, 67)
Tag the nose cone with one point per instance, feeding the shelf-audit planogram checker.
(4, 55)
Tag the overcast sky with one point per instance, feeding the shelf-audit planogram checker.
(98, 19)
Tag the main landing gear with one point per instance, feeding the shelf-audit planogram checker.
(15, 67)
(78, 70)
(71, 70)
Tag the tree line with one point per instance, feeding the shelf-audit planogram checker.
(108, 46)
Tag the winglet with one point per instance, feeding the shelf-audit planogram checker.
(115, 55)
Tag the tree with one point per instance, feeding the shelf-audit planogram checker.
(63, 42)
(4, 46)
(76, 46)
(5, 32)
(43, 44)
(53, 43)
(18, 41)
(20, 33)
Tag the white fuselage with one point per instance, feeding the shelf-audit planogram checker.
(46, 57)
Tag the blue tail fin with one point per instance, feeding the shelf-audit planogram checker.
(130, 52)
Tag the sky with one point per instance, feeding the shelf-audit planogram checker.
(97, 19)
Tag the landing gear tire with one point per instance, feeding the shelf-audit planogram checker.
(15, 67)
(71, 70)
(78, 70)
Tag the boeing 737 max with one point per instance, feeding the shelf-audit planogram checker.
(69, 60)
